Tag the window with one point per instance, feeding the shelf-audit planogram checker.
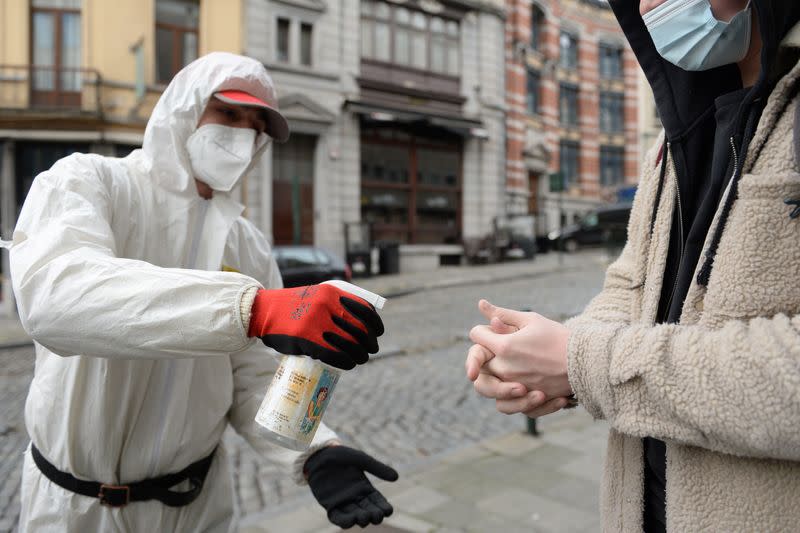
(537, 27)
(532, 94)
(453, 46)
(612, 165)
(305, 43)
(176, 36)
(402, 36)
(569, 152)
(612, 107)
(56, 52)
(610, 62)
(410, 186)
(568, 51)
(568, 104)
(419, 41)
(282, 44)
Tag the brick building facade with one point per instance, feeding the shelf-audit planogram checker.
(571, 95)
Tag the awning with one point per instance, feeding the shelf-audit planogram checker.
(457, 124)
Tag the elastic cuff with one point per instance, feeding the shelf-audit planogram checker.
(588, 358)
(299, 464)
(246, 306)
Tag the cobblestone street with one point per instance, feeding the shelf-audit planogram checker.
(408, 409)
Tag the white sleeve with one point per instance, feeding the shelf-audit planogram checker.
(76, 296)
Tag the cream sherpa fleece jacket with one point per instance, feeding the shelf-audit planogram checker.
(722, 389)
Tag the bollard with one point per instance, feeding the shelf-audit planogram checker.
(531, 423)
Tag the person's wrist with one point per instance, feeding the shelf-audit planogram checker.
(331, 444)
(258, 310)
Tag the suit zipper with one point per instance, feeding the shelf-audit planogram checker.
(170, 377)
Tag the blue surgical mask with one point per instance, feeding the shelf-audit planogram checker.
(687, 34)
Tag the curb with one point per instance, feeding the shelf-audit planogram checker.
(15, 344)
(447, 284)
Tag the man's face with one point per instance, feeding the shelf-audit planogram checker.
(723, 10)
(235, 116)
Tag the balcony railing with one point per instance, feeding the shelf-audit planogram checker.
(48, 89)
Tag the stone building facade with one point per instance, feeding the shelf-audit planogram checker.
(572, 97)
(398, 114)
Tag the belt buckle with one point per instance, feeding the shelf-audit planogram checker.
(110, 495)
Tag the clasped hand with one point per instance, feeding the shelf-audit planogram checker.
(520, 360)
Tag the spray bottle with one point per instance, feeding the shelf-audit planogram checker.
(301, 390)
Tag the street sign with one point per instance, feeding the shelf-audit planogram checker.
(556, 182)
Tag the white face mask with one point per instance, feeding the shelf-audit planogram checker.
(222, 155)
(687, 34)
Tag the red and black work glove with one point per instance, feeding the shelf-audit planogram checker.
(321, 321)
(336, 477)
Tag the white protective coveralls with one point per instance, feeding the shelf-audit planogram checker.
(142, 356)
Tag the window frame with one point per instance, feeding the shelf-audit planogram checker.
(533, 99)
(568, 64)
(572, 91)
(177, 31)
(412, 229)
(612, 104)
(278, 57)
(537, 24)
(604, 56)
(612, 156)
(451, 42)
(305, 24)
(57, 96)
(571, 146)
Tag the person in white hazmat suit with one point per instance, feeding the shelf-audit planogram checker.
(143, 288)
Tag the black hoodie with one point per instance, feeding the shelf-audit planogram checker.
(709, 121)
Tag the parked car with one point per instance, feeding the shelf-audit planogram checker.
(308, 265)
(603, 226)
(511, 238)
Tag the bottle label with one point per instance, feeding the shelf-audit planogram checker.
(319, 401)
(297, 397)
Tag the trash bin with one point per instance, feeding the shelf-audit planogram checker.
(389, 257)
(360, 263)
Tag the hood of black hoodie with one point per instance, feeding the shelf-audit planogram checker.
(683, 98)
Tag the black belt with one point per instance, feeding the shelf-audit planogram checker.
(121, 495)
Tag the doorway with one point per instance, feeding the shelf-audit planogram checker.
(293, 190)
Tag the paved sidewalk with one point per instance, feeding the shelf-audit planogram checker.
(11, 333)
(452, 276)
(516, 482)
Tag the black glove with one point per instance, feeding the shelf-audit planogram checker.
(337, 480)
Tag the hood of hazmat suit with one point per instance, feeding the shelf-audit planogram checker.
(142, 357)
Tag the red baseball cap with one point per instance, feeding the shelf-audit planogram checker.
(277, 127)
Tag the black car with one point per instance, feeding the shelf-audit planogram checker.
(603, 226)
(308, 265)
